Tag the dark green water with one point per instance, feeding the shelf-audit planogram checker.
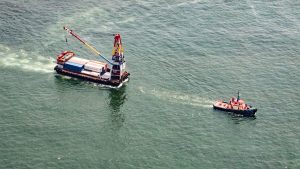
(181, 55)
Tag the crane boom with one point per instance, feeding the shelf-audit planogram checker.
(94, 50)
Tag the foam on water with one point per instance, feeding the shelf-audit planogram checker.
(252, 8)
(126, 20)
(79, 19)
(178, 97)
(189, 2)
(110, 87)
(27, 61)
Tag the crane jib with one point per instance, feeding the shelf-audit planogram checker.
(90, 46)
(87, 45)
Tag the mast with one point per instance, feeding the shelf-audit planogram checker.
(118, 58)
(118, 50)
(94, 50)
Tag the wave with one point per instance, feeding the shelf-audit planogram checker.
(27, 61)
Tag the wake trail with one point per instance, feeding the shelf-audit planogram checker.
(189, 3)
(177, 97)
(26, 61)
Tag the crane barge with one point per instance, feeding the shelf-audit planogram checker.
(111, 72)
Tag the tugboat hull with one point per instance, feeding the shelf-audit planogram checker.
(98, 80)
(248, 113)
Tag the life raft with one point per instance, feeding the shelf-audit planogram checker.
(65, 56)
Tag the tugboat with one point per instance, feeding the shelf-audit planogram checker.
(111, 72)
(235, 105)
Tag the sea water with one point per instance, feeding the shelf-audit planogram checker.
(182, 55)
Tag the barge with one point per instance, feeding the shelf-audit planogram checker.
(111, 72)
